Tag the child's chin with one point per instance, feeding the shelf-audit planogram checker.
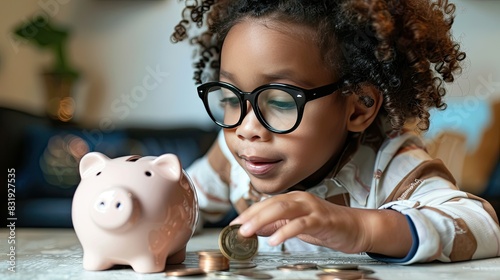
(267, 189)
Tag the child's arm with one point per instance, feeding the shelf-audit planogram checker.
(317, 221)
(448, 224)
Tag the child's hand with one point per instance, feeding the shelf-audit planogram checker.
(317, 221)
(308, 217)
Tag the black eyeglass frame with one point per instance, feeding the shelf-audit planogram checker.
(300, 95)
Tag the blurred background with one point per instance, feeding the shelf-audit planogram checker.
(131, 91)
(115, 45)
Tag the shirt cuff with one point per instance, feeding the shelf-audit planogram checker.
(411, 253)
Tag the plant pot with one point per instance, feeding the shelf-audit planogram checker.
(60, 104)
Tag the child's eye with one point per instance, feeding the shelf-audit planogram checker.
(276, 100)
(224, 97)
(281, 105)
(230, 101)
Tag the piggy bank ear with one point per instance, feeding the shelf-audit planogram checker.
(92, 163)
(169, 166)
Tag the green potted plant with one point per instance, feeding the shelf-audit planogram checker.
(59, 79)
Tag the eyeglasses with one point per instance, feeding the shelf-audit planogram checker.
(278, 107)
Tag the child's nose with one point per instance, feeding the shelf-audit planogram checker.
(250, 127)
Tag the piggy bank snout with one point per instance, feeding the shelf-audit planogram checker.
(113, 209)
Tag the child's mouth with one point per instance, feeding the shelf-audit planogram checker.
(258, 166)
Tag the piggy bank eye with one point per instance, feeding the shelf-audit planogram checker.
(148, 173)
(98, 173)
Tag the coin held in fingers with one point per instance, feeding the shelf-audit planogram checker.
(235, 246)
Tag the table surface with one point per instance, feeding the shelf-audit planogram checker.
(57, 254)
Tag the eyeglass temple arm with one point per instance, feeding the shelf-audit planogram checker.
(329, 89)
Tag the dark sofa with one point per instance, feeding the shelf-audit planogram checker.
(43, 156)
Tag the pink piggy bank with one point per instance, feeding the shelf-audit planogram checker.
(132, 210)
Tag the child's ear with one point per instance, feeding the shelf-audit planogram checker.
(364, 108)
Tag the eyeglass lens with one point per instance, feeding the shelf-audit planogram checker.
(277, 107)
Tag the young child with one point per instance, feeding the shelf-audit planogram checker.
(321, 103)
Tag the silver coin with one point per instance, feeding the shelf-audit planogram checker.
(222, 274)
(241, 264)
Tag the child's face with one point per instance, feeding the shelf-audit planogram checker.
(257, 53)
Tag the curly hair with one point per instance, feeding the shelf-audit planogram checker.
(403, 48)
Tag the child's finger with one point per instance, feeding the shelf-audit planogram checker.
(268, 214)
(300, 225)
(253, 210)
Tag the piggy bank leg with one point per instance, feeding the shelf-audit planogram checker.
(178, 257)
(93, 261)
(148, 264)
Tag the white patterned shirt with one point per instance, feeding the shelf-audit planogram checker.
(383, 171)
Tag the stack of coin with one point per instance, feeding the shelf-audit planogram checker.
(212, 260)
(235, 246)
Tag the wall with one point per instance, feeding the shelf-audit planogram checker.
(119, 44)
(132, 73)
(469, 98)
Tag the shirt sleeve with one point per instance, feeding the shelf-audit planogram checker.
(212, 192)
(215, 197)
(447, 224)
(240, 182)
